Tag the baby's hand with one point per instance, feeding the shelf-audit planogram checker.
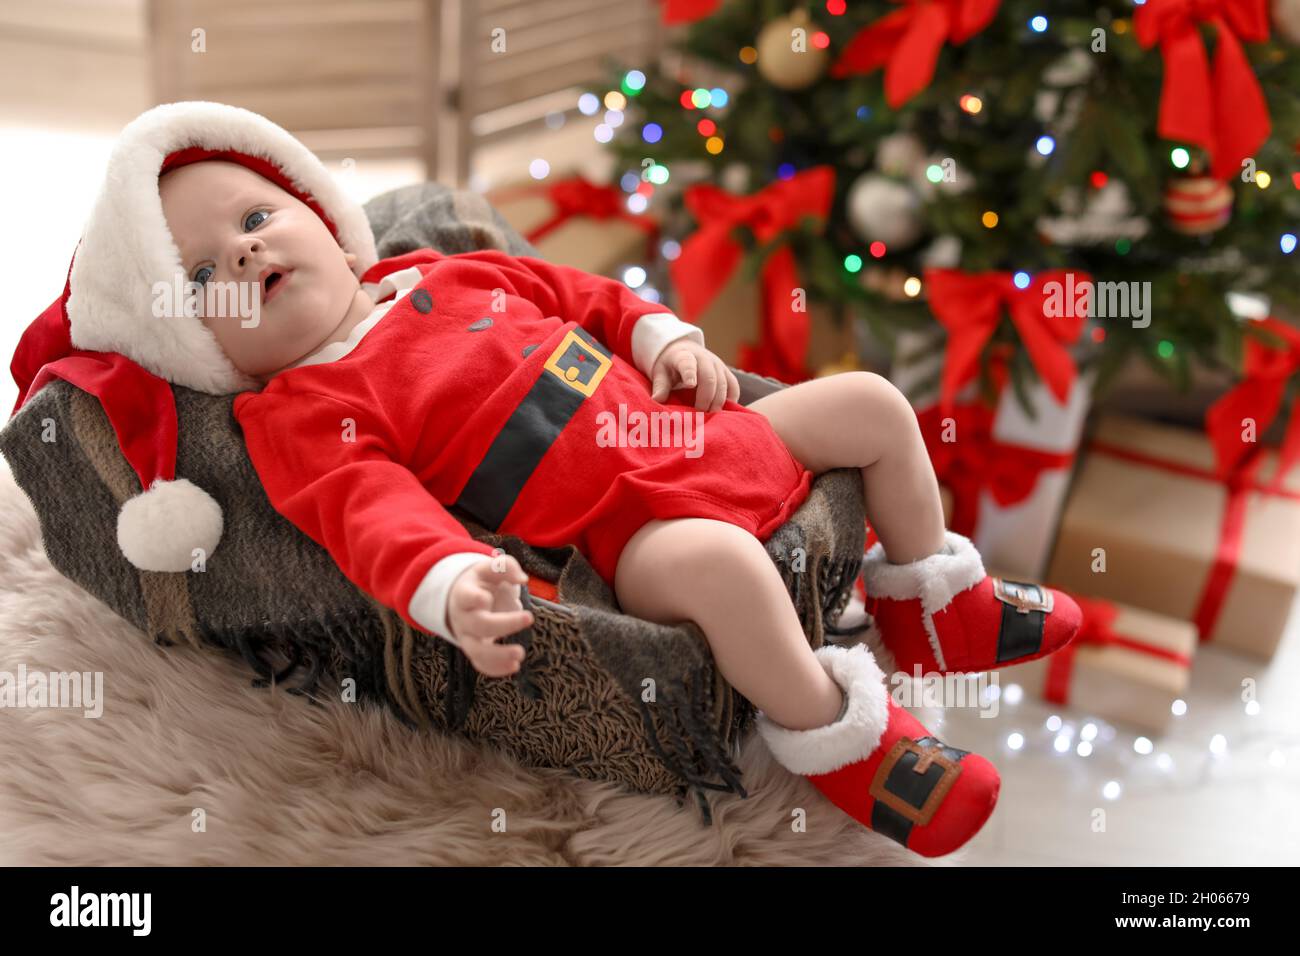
(484, 605)
(684, 363)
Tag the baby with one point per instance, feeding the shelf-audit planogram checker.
(489, 381)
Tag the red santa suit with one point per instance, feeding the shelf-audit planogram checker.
(511, 388)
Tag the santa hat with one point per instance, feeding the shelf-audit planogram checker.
(102, 336)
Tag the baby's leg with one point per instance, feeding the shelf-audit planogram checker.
(862, 419)
(721, 577)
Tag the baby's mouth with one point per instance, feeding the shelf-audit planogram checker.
(272, 283)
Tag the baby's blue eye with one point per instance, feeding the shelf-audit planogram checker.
(259, 212)
(199, 276)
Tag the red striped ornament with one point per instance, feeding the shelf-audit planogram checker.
(1197, 205)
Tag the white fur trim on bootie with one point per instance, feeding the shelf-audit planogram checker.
(854, 736)
(935, 579)
(159, 529)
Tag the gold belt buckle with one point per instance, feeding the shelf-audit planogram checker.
(926, 756)
(577, 363)
(1016, 593)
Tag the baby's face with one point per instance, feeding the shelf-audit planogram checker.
(233, 226)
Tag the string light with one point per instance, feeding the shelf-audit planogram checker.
(652, 132)
(835, 7)
(852, 263)
(1252, 707)
(1098, 179)
(637, 203)
(718, 97)
(1045, 145)
(1122, 246)
(877, 249)
(864, 112)
(700, 97)
(1015, 741)
(1287, 243)
(1021, 280)
(1263, 180)
(670, 249)
(1143, 746)
(613, 118)
(588, 103)
(1038, 24)
(687, 99)
(971, 103)
(785, 171)
(1112, 790)
(657, 174)
(1179, 706)
(820, 40)
(912, 287)
(1218, 745)
(748, 55)
(634, 277)
(713, 144)
(990, 219)
(1084, 749)
(614, 100)
(1180, 157)
(1166, 350)
(1053, 723)
(633, 82)
(934, 173)
(603, 133)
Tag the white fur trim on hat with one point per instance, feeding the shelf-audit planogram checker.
(159, 529)
(851, 738)
(126, 246)
(935, 579)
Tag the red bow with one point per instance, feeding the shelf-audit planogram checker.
(711, 254)
(977, 461)
(1097, 629)
(1222, 111)
(969, 306)
(1259, 397)
(907, 43)
(687, 11)
(576, 196)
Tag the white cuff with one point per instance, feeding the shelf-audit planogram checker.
(428, 606)
(652, 333)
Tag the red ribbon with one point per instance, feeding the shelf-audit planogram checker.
(1097, 630)
(969, 305)
(1223, 111)
(1239, 483)
(907, 43)
(687, 11)
(711, 254)
(977, 461)
(576, 196)
(1259, 397)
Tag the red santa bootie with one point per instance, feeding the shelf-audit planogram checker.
(880, 766)
(943, 613)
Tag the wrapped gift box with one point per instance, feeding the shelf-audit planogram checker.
(735, 318)
(584, 225)
(1126, 664)
(1148, 496)
(1018, 536)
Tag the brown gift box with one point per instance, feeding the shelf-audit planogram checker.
(735, 317)
(1116, 682)
(1160, 531)
(598, 246)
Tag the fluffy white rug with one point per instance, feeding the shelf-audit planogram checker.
(188, 764)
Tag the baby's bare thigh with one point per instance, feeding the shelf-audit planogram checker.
(669, 568)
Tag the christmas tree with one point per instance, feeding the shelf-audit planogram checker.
(924, 161)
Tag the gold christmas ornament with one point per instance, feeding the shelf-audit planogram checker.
(786, 56)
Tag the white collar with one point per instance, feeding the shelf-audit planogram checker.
(399, 283)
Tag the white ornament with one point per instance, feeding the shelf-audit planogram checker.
(886, 210)
(900, 154)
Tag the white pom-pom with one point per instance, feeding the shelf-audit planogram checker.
(159, 529)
